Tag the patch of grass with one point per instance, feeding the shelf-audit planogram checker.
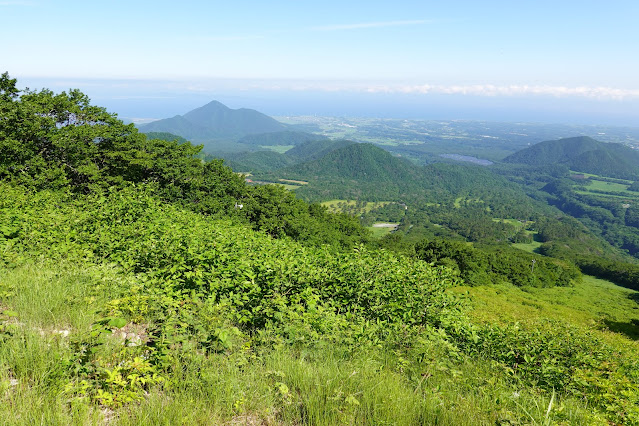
(321, 384)
(593, 303)
(532, 247)
(513, 222)
(296, 182)
(599, 185)
(57, 298)
(378, 232)
(288, 186)
(328, 386)
(281, 149)
(459, 200)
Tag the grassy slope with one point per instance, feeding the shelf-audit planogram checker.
(594, 303)
(324, 386)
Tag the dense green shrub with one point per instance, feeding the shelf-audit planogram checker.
(494, 264)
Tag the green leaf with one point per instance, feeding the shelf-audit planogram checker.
(117, 322)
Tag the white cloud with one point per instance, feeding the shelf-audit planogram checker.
(365, 25)
(490, 90)
(209, 85)
(512, 90)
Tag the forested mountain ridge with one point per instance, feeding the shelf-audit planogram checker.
(216, 121)
(306, 147)
(582, 154)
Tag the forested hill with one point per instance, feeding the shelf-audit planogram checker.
(216, 121)
(286, 137)
(359, 161)
(582, 154)
(366, 171)
(316, 149)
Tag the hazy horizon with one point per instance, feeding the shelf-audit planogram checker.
(138, 99)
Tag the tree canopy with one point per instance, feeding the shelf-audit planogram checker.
(61, 141)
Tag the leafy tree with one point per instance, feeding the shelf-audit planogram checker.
(61, 141)
(49, 140)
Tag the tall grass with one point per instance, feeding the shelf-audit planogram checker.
(325, 385)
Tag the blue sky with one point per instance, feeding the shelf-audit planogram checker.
(580, 55)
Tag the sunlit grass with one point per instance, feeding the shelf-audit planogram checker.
(380, 231)
(593, 303)
(281, 149)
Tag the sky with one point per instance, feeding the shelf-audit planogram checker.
(561, 60)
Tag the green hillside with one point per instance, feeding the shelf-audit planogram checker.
(283, 138)
(582, 154)
(316, 149)
(358, 161)
(179, 125)
(259, 161)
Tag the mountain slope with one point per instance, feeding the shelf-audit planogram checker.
(285, 137)
(356, 171)
(316, 149)
(361, 162)
(177, 125)
(259, 161)
(582, 154)
(215, 121)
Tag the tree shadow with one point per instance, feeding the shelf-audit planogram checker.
(629, 328)
(634, 297)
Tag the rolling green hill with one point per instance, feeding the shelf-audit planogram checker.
(316, 149)
(358, 161)
(582, 154)
(269, 161)
(367, 172)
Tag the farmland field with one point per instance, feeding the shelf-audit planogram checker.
(598, 185)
